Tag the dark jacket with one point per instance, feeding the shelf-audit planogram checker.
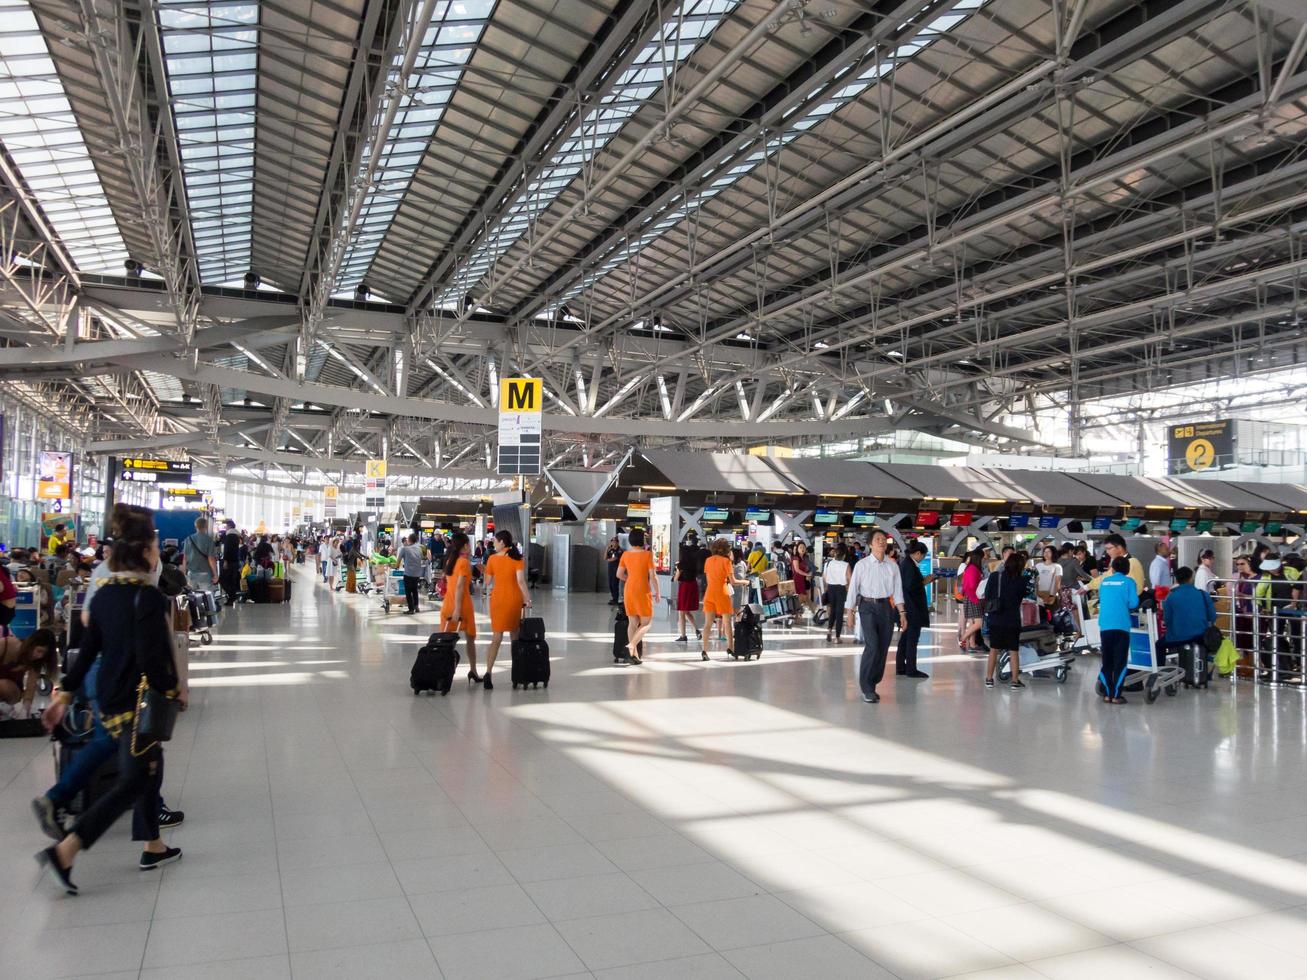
(131, 638)
(914, 593)
(1003, 595)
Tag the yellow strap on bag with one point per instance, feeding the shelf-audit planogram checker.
(1227, 658)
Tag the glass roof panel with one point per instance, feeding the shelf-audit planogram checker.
(424, 94)
(210, 52)
(679, 37)
(747, 159)
(43, 139)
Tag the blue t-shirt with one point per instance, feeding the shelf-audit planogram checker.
(1116, 599)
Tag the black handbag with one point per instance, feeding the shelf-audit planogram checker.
(156, 711)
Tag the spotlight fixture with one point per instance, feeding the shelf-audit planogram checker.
(248, 400)
(133, 268)
(252, 280)
(361, 292)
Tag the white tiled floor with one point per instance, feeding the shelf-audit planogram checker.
(681, 820)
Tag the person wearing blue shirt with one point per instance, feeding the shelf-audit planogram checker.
(1187, 612)
(1117, 598)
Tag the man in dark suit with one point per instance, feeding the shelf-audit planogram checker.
(917, 609)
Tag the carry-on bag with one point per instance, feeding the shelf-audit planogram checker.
(620, 626)
(433, 670)
(530, 662)
(1193, 662)
(531, 628)
(276, 590)
(748, 634)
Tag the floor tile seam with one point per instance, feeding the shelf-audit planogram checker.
(276, 845)
(952, 928)
(1249, 939)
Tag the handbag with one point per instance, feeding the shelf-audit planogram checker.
(156, 711)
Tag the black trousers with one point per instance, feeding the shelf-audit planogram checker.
(1115, 645)
(612, 582)
(411, 585)
(230, 578)
(877, 629)
(836, 595)
(905, 657)
(139, 780)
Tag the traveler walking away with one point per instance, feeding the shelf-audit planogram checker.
(613, 556)
(1115, 547)
(21, 664)
(636, 570)
(129, 633)
(231, 563)
(719, 597)
(836, 577)
(877, 592)
(506, 584)
(973, 609)
(456, 612)
(1205, 574)
(201, 555)
(1159, 569)
(1004, 593)
(918, 610)
(410, 563)
(757, 559)
(686, 574)
(1117, 598)
(1048, 582)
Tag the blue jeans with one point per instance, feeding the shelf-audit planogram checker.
(78, 774)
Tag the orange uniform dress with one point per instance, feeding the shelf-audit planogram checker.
(468, 625)
(719, 599)
(637, 598)
(505, 594)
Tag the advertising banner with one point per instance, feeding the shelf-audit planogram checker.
(54, 478)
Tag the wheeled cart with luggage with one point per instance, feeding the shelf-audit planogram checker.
(392, 589)
(1042, 654)
(1147, 668)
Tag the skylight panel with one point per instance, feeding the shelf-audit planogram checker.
(633, 88)
(447, 46)
(735, 168)
(210, 50)
(45, 143)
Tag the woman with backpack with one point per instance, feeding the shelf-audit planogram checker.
(456, 612)
(506, 584)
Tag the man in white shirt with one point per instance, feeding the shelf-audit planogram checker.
(1159, 570)
(876, 596)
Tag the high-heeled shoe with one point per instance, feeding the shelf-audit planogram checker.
(489, 686)
(703, 654)
(473, 677)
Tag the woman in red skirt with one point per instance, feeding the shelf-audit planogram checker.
(687, 586)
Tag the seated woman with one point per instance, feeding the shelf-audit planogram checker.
(21, 665)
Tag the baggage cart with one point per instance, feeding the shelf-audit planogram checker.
(1147, 668)
(1042, 654)
(392, 588)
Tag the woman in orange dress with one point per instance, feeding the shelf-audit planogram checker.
(456, 612)
(719, 597)
(636, 569)
(506, 583)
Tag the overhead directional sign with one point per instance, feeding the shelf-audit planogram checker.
(521, 406)
(1194, 447)
(135, 470)
(374, 493)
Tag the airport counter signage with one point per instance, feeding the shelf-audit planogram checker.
(1197, 446)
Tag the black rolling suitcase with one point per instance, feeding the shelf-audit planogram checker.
(748, 635)
(286, 593)
(1193, 661)
(73, 735)
(620, 625)
(531, 654)
(258, 588)
(433, 670)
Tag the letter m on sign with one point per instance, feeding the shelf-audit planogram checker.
(520, 395)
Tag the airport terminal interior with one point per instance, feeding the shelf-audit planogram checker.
(690, 489)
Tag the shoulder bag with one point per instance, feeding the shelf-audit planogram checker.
(156, 711)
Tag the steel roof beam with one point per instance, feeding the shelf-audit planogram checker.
(622, 35)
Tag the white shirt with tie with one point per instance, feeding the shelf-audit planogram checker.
(876, 578)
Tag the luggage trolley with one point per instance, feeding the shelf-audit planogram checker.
(782, 609)
(1041, 650)
(1144, 668)
(392, 588)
